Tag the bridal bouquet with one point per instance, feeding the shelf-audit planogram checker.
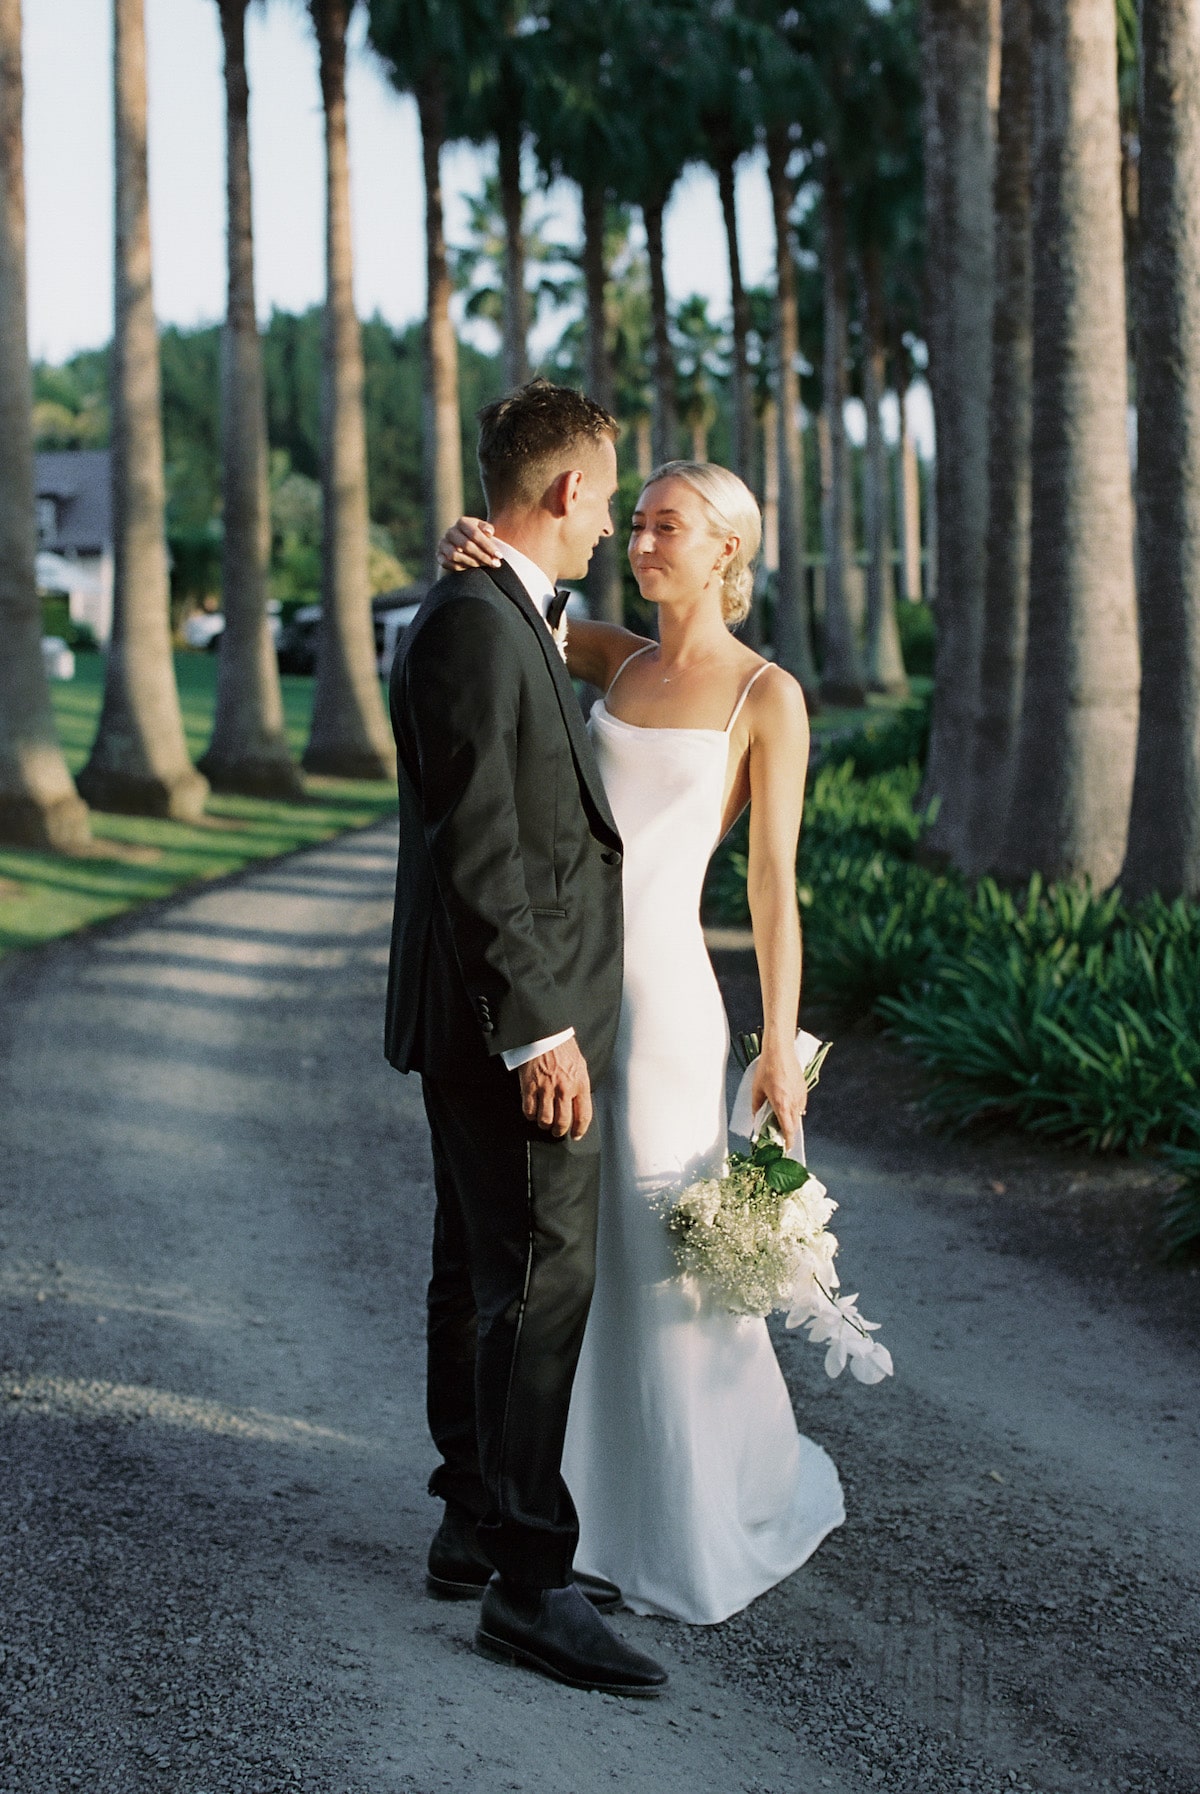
(757, 1236)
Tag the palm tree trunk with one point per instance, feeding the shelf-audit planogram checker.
(643, 446)
(516, 303)
(884, 661)
(741, 396)
(908, 497)
(443, 428)
(842, 676)
(793, 622)
(666, 419)
(1070, 809)
(248, 751)
(770, 502)
(39, 806)
(350, 737)
(139, 760)
(1006, 585)
(1164, 827)
(958, 52)
(604, 573)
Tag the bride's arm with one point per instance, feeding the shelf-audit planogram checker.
(778, 764)
(594, 650)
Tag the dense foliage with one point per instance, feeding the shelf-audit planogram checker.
(71, 411)
(1054, 1008)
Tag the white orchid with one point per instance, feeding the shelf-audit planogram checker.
(849, 1337)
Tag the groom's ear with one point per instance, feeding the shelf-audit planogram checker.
(563, 492)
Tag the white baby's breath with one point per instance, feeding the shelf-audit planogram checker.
(757, 1237)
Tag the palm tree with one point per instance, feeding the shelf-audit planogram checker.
(39, 806)
(842, 676)
(249, 749)
(908, 485)
(1070, 808)
(423, 46)
(516, 299)
(1006, 587)
(499, 62)
(665, 418)
(580, 134)
(701, 348)
(957, 61)
(443, 441)
(884, 663)
(727, 60)
(139, 759)
(349, 737)
(793, 632)
(1164, 826)
(741, 394)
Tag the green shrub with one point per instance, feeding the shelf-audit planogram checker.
(917, 638)
(1056, 1009)
(1060, 1012)
(892, 739)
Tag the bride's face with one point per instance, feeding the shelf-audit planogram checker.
(672, 549)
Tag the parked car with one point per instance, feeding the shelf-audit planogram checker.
(206, 627)
(296, 643)
(392, 613)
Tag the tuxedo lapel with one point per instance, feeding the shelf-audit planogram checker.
(585, 760)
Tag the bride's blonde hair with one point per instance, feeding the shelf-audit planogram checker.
(732, 511)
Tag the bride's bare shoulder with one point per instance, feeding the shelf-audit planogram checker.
(775, 704)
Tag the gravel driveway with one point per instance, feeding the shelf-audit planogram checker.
(214, 1209)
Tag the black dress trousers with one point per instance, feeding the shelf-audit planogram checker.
(513, 1267)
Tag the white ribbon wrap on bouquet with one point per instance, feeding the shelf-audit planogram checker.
(747, 1125)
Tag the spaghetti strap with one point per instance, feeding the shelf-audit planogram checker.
(737, 709)
(644, 649)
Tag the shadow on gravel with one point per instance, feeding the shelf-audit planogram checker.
(141, 1588)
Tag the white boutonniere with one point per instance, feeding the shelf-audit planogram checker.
(559, 632)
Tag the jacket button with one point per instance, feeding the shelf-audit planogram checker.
(611, 857)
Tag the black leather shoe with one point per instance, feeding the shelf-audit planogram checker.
(558, 1633)
(458, 1571)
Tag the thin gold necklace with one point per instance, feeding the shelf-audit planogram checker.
(666, 678)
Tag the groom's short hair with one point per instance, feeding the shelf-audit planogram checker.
(528, 437)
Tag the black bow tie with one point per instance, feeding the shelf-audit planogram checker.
(556, 607)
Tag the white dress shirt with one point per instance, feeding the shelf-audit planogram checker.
(540, 588)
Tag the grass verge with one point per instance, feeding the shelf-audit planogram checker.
(135, 859)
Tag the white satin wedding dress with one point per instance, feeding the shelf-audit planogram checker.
(695, 1491)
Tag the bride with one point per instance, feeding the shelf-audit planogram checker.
(694, 1488)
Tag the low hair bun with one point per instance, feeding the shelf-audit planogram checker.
(737, 595)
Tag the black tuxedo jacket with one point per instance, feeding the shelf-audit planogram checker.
(507, 924)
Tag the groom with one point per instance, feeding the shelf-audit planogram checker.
(504, 991)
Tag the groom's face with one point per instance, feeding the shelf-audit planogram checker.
(589, 512)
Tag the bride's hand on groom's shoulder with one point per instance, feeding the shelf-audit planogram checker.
(556, 1091)
(778, 1080)
(467, 543)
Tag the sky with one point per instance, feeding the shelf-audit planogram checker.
(68, 132)
(68, 148)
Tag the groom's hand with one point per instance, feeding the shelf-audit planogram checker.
(556, 1091)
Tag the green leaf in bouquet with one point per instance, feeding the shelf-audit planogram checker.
(766, 1152)
(784, 1175)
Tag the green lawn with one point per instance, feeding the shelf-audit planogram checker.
(44, 895)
